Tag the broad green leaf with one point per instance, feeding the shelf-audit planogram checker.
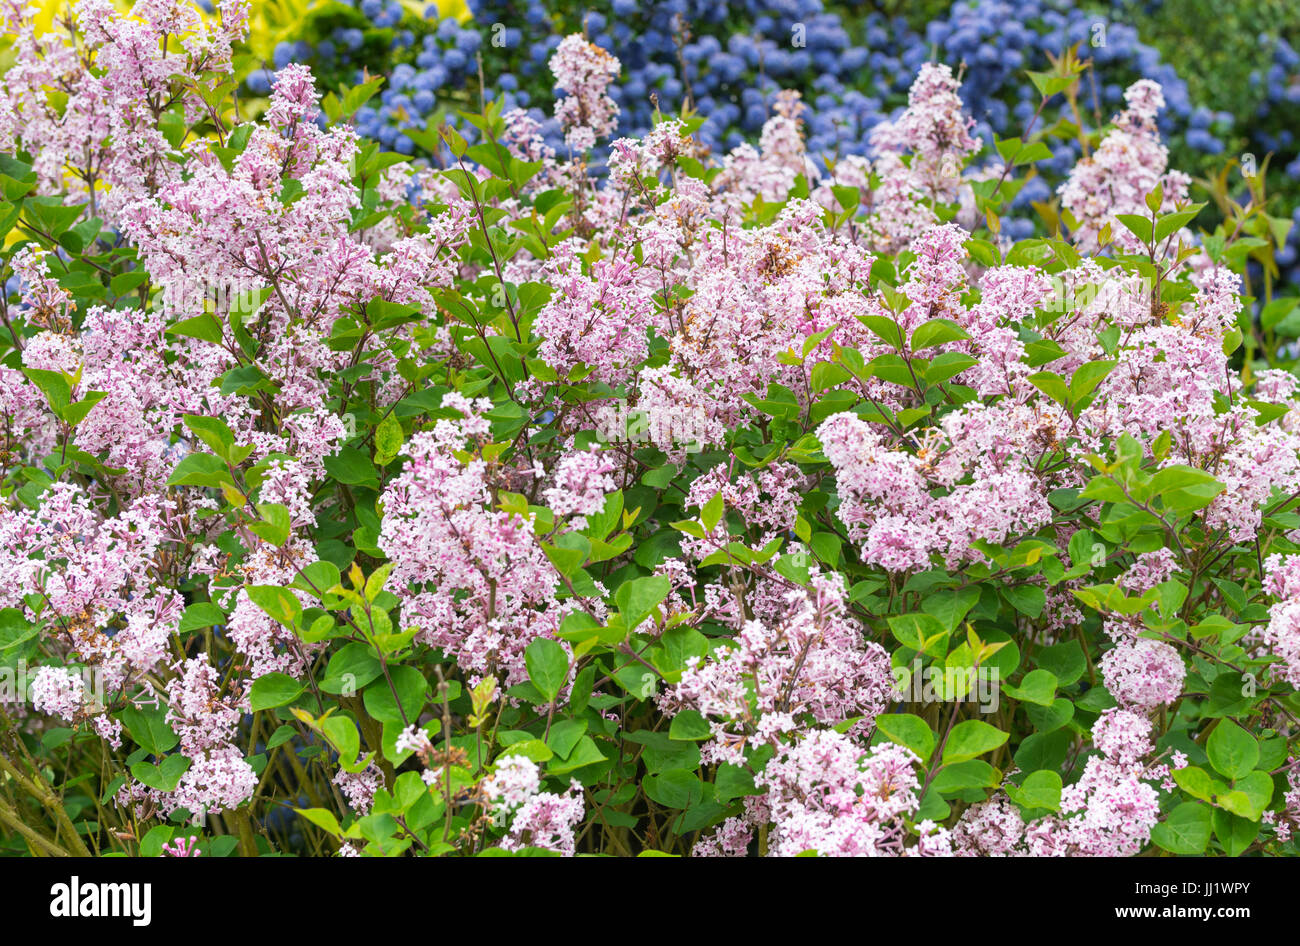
(1185, 830)
(971, 738)
(280, 603)
(1041, 789)
(908, 730)
(548, 667)
(1233, 752)
(637, 598)
(272, 690)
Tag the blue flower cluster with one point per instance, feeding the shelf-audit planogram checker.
(729, 57)
(444, 59)
(1273, 129)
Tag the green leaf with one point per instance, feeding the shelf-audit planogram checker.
(1137, 224)
(1185, 830)
(203, 327)
(213, 432)
(1041, 789)
(1037, 686)
(200, 469)
(55, 387)
(388, 437)
(322, 818)
(1051, 384)
(278, 602)
(1277, 310)
(342, 734)
(564, 736)
(353, 467)
(1032, 153)
(675, 788)
(244, 380)
(533, 749)
(358, 95)
(885, 328)
(352, 668)
(201, 615)
(1087, 376)
(375, 582)
(946, 365)
(548, 667)
(1171, 223)
(908, 730)
(275, 524)
(919, 631)
(15, 628)
(1065, 661)
(149, 728)
(1048, 718)
(584, 753)
(272, 690)
(1027, 599)
(1233, 752)
(568, 561)
(711, 513)
(164, 776)
(638, 597)
(412, 690)
(1043, 750)
(1235, 833)
(1194, 781)
(826, 375)
(964, 776)
(123, 283)
(937, 332)
(1250, 795)
(1184, 489)
(317, 578)
(76, 412)
(732, 782)
(949, 607)
(689, 726)
(971, 738)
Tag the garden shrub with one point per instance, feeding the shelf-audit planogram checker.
(717, 504)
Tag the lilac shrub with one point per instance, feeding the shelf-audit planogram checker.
(715, 504)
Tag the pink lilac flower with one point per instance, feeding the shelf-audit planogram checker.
(1143, 673)
(182, 847)
(1149, 570)
(217, 779)
(583, 71)
(514, 780)
(826, 795)
(1116, 179)
(801, 654)
(1122, 735)
(473, 579)
(58, 692)
(992, 828)
(359, 787)
(535, 818)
